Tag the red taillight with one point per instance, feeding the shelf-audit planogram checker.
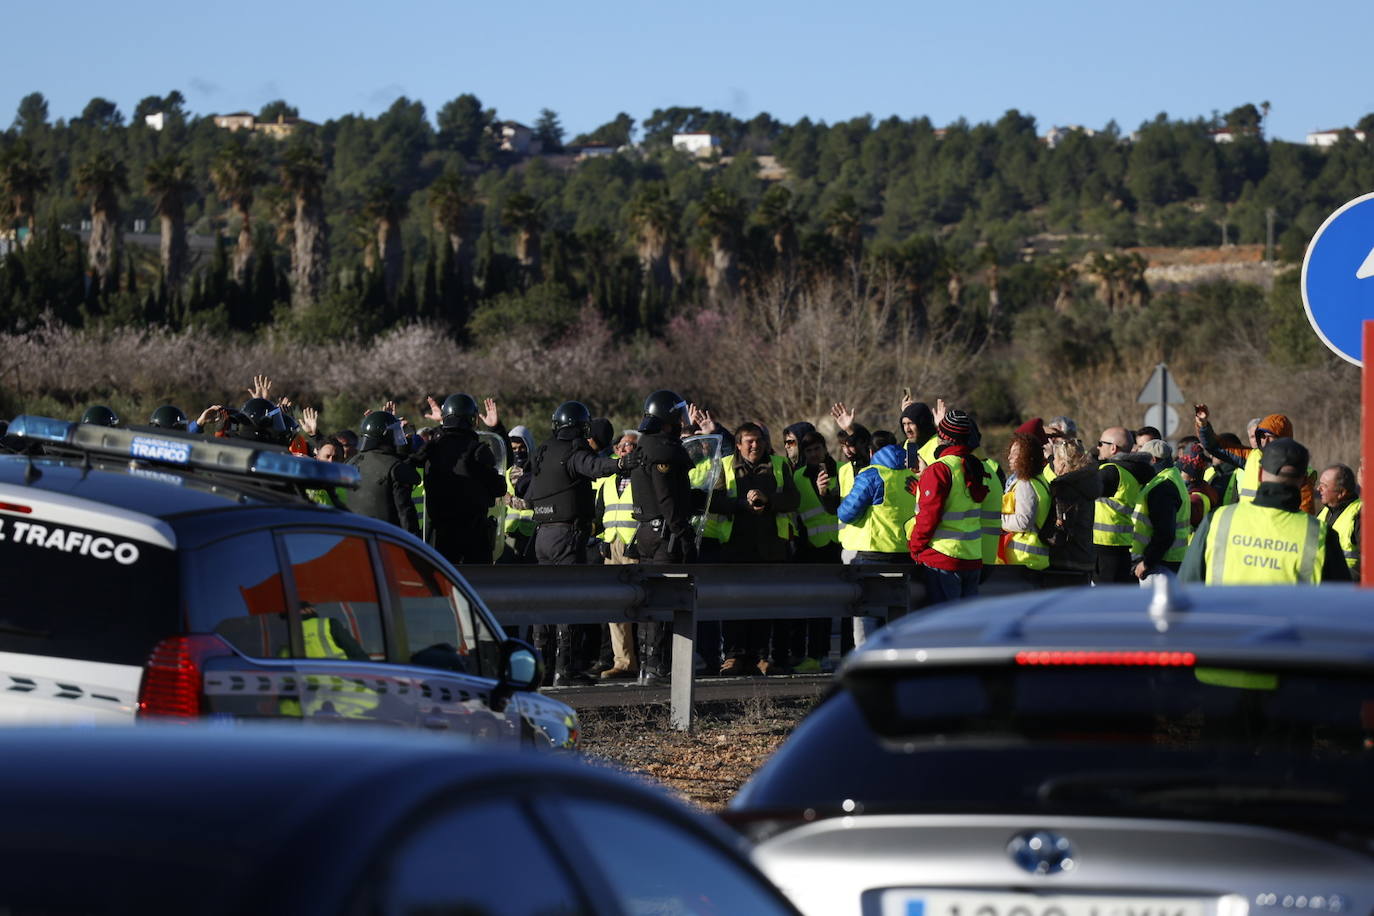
(15, 507)
(1071, 657)
(172, 682)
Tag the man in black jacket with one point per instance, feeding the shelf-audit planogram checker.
(387, 477)
(559, 489)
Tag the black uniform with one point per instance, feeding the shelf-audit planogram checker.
(461, 485)
(664, 503)
(559, 489)
(385, 488)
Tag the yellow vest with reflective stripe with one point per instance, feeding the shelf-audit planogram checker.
(1249, 476)
(1260, 545)
(348, 698)
(1112, 526)
(821, 527)
(720, 527)
(991, 514)
(617, 515)
(1025, 547)
(1345, 530)
(927, 452)
(888, 524)
(959, 533)
(1144, 530)
(853, 535)
(518, 521)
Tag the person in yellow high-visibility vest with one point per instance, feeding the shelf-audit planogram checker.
(1160, 522)
(947, 536)
(1268, 540)
(1026, 503)
(1341, 510)
(615, 504)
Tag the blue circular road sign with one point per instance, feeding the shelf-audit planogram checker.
(1338, 277)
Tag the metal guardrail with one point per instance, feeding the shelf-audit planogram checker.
(683, 595)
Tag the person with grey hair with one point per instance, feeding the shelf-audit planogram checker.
(1160, 522)
(1341, 507)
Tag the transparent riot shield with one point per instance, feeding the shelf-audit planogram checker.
(497, 513)
(705, 475)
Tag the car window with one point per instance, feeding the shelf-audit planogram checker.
(655, 866)
(480, 858)
(235, 590)
(337, 596)
(83, 593)
(442, 627)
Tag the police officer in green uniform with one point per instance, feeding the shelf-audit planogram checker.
(1268, 540)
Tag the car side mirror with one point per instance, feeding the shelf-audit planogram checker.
(521, 669)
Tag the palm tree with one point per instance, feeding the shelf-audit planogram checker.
(237, 170)
(987, 256)
(654, 217)
(22, 178)
(778, 213)
(303, 173)
(168, 180)
(384, 207)
(845, 223)
(101, 179)
(722, 216)
(451, 203)
(525, 215)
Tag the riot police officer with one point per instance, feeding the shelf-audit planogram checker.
(259, 420)
(559, 488)
(387, 477)
(664, 503)
(100, 415)
(169, 416)
(461, 484)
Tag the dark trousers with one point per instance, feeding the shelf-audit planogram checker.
(949, 584)
(810, 638)
(1113, 565)
(655, 637)
(463, 542)
(575, 644)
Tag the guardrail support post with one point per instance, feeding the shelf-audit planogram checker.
(683, 686)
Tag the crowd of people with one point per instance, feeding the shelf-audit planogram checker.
(1209, 508)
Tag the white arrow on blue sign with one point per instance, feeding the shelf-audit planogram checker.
(1338, 277)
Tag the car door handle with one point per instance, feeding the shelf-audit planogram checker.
(434, 721)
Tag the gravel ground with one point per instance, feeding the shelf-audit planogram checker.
(732, 739)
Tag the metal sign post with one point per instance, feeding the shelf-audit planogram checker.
(1366, 451)
(1159, 392)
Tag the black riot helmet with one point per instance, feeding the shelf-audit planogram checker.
(459, 411)
(262, 421)
(100, 415)
(380, 428)
(663, 410)
(572, 415)
(169, 417)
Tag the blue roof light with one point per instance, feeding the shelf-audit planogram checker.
(28, 426)
(305, 470)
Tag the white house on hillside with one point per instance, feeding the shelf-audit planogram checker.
(1329, 137)
(697, 144)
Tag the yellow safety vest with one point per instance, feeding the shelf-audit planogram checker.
(1260, 545)
(1112, 525)
(349, 699)
(927, 451)
(417, 496)
(1249, 476)
(889, 524)
(1345, 530)
(720, 527)
(1144, 530)
(518, 521)
(853, 535)
(1025, 547)
(821, 527)
(617, 515)
(959, 533)
(991, 513)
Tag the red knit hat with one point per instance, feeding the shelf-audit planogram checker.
(1035, 429)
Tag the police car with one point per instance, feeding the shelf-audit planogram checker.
(1111, 751)
(150, 574)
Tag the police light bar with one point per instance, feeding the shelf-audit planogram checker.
(188, 450)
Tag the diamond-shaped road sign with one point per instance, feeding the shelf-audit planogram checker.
(1160, 389)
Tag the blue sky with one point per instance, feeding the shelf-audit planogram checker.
(1064, 63)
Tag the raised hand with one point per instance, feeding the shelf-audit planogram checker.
(389, 407)
(310, 421)
(939, 410)
(1200, 414)
(907, 399)
(490, 416)
(844, 417)
(262, 387)
(436, 413)
(212, 414)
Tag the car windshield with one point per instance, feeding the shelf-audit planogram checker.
(1254, 744)
(84, 594)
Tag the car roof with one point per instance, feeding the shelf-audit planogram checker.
(1331, 623)
(213, 808)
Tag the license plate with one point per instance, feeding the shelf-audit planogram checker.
(915, 902)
